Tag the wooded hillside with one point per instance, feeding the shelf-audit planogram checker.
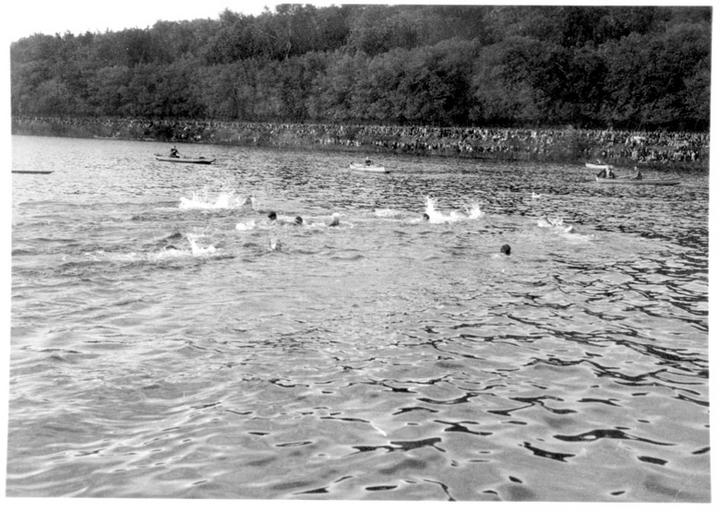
(620, 67)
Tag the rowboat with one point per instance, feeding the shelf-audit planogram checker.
(368, 167)
(633, 181)
(182, 160)
(598, 167)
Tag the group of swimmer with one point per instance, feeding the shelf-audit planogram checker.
(273, 219)
(299, 221)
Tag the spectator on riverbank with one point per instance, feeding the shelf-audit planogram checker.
(529, 144)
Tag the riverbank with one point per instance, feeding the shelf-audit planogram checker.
(675, 151)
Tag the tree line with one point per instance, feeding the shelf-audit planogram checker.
(639, 68)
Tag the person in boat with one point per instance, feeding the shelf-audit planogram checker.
(174, 152)
(606, 173)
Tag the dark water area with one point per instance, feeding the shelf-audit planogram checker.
(168, 341)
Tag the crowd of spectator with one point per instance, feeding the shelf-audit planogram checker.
(612, 146)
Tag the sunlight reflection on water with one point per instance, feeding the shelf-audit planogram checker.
(160, 350)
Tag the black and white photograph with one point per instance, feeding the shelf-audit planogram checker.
(410, 252)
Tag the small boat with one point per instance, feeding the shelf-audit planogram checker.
(598, 167)
(367, 167)
(32, 172)
(635, 181)
(184, 160)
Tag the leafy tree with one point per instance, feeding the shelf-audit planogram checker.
(636, 67)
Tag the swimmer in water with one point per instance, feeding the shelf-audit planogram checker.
(169, 241)
(426, 217)
(505, 249)
(274, 219)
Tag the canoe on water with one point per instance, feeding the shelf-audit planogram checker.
(184, 160)
(598, 167)
(367, 167)
(633, 181)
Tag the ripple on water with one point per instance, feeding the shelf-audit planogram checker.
(386, 358)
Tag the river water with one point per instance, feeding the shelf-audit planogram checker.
(167, 340)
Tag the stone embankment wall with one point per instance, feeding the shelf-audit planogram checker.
(659, 149)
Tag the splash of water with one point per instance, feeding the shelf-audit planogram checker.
(246, 226)
(474, 212)
(556, 223)
(437, 217)
(224, 200)
(198, 250)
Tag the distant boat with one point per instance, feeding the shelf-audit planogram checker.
(598, 167)
(184, 160)
(32, 172)
(367, 167)
(635, 181)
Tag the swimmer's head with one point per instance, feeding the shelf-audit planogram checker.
(426, 216)
(505, 249)
(272, 216)
(298, 220)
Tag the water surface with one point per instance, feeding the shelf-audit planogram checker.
(168, 342)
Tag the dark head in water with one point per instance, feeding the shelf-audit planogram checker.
(298, 220)
(505, 249)
(272, 216)
(426, 216)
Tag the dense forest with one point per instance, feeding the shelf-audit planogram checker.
(590, 67)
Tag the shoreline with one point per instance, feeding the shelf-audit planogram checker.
(683, 151)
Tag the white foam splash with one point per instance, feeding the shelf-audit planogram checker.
(223, 201)
(195, 250)
(438, 217)
(474, 212)
(557, 223)
(198, 250)
(246, 226)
